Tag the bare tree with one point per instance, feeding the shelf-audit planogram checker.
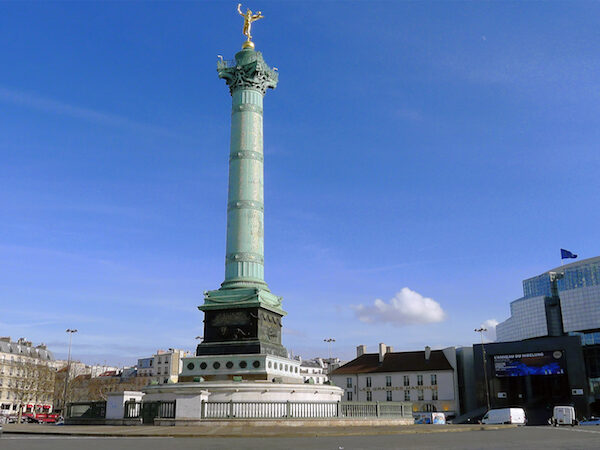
(59, 391)
(32, 382)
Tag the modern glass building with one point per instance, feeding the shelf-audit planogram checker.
(561, 301)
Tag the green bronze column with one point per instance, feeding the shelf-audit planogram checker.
(243, 316)
(248, 78)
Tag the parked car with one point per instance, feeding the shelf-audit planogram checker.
(505, 416)
(563, 415)
(591, 421)
(431, 418)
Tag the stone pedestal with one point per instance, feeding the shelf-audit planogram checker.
(242, 320)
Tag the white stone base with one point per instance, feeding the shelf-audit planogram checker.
(189, 396)
(115, 403)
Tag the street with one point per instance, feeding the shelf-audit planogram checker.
(522, 438)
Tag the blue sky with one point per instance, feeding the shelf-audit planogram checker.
(449, 148)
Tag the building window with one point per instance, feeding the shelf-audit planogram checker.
(430, 408)
(421, 395)
(434, 394)
(419, 380)
(388, 396)
(407, 395)
(434, 380)
(369, 396)
(349, 396)
(406, 380)
(348, 382)
(368, 381)
(388, 380)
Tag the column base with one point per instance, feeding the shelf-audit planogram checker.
(241, 321)
(241, 297)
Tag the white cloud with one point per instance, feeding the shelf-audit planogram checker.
(490, 325)
(407, 307)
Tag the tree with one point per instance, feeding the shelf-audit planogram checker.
(32, 382)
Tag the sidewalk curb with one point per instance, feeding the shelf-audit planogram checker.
(295, 432)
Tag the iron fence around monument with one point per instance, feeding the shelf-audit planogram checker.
(132, 409)
(166, 410)
(304, 410)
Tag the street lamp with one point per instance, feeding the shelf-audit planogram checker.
(329, 341)
(487, 388)
(68, 370)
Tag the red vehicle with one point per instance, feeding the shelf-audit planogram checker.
(40, 414)
(46, 418)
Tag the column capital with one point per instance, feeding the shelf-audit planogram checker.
(248, 71)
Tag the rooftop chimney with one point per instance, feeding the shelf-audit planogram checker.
(427, 352)
(382, 351)
(361, 350)
(389, 349)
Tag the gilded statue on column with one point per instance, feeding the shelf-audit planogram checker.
(249, 17)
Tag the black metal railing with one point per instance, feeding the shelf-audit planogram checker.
(133, 409)
(156, 410)
(167, 410)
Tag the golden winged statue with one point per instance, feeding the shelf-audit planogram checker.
(249, 17)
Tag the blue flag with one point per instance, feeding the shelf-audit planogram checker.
(564, 254)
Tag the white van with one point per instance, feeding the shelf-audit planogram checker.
(505, 415)
(563, 415)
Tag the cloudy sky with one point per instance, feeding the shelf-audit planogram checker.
(422, 159)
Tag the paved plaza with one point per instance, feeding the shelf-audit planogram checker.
(509, 438)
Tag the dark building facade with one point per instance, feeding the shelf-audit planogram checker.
(535, 374)
(562, 301)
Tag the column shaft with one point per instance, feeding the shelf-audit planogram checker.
(244, 263)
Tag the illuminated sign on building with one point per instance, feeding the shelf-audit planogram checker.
(523, 364)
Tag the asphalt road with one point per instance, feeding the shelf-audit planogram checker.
(521, 438)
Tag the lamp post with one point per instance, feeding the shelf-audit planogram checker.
(487, 388)
(329, 341)
(70, 331)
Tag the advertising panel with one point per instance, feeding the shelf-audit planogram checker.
(535, 363)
